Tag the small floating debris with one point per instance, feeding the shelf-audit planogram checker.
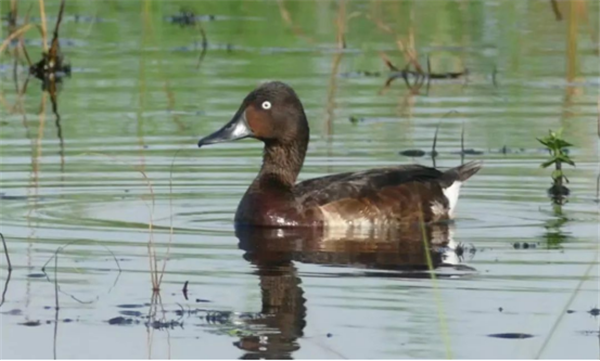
(469, 151)
(511, 335)
(130, 306)
(159, 325)
(590, 333)
(30, 323)
(360, 73)
(13, 312)
(524, 245)
(131, 313)
(187, 17)
(412, 153)
(356, 120)
(36, 275)
(120, 320)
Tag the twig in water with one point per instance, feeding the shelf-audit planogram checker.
(9, 270)
(556, 10)
(60, 249)
(434, 153)
(599, 117)
(204, 43)
(598, 188)
(419, 76)
(462, 144)
(437, 128)
(5, 287)
(6, 252)
(185, 290)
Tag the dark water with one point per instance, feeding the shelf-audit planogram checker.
(514, 277)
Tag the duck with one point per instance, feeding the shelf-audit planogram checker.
(366, 199)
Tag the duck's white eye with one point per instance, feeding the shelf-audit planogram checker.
(266, 105)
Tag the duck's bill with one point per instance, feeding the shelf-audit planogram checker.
(236, 129)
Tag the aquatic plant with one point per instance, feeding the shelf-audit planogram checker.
(9, 269)
(557, 147)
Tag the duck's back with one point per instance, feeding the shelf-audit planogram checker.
(384, 196)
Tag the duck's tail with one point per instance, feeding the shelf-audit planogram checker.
(454, 178)
(462, 172)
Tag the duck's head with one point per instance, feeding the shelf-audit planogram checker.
(271, 113)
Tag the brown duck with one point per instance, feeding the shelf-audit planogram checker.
(377, 198)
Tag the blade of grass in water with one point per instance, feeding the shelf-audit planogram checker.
(436, 290)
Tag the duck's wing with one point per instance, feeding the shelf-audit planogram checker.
(395, 193)
(367, 183)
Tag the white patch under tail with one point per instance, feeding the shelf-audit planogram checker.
(451, 194)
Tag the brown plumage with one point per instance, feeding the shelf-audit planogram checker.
(372, 198)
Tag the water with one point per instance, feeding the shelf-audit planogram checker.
(136, 104)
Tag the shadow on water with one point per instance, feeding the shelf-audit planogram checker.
(273, 252)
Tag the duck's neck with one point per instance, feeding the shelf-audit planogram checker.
(282, 162)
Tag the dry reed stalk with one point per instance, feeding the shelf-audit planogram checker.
(44, 27)
(151, 248)
(287, 18)
(410, 55)
(22, 40)
(162, 273)
(56, 305)
(54, 47)
(42, 121)
(13, 10)
(20, 31)
(332, 88)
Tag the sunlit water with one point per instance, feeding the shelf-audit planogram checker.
(136, 104)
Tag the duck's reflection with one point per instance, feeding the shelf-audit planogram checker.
(273, 252)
